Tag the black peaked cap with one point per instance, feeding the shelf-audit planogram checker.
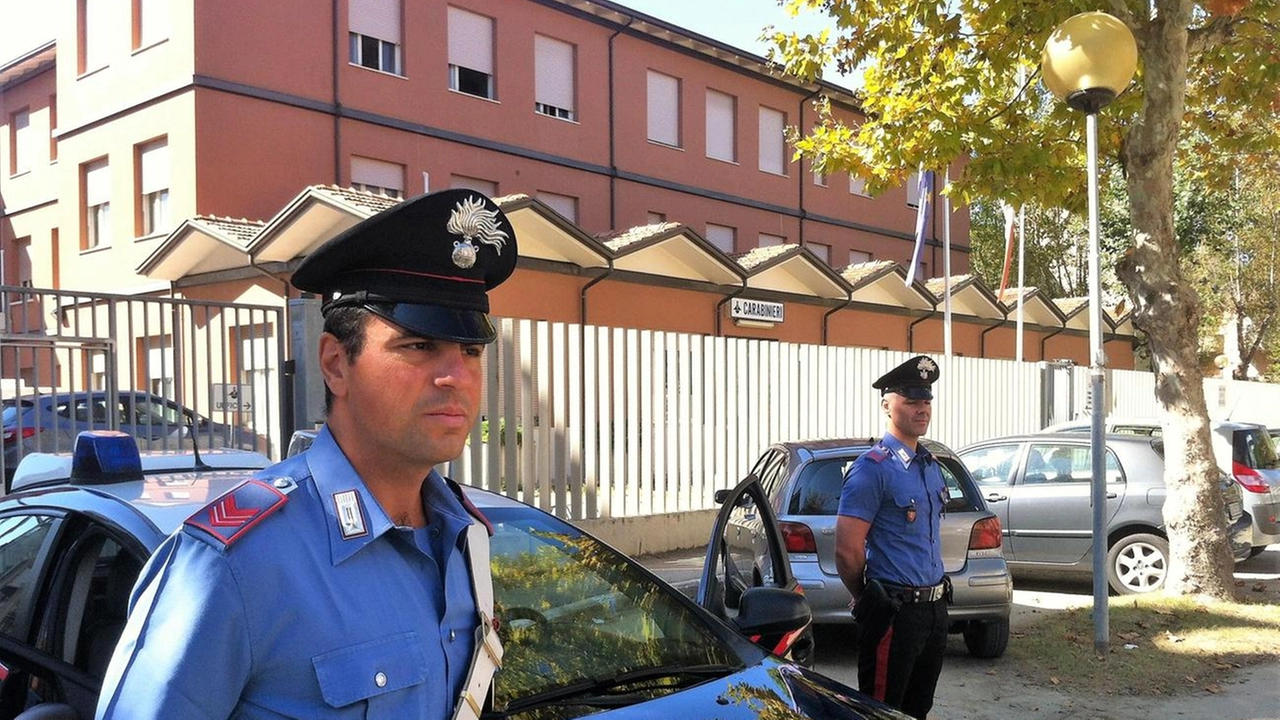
(913, 379)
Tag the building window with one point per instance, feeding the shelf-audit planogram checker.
(484, 187)
(374, 34)
(722, 236)
(857, 257)
(471, 53)
(722, 139)
(554, 82)
(822, 251)
(768, 240)
(913, 190)
(153, 187)
(24, 278)
(857, 186)
(566, 205)
(655, 218)
(92, 16)
(819, 179)
(773, 147)
(95, 177)
(53, 127)
(664, 109)
(377, 176)
(20, 146)
(150, 22)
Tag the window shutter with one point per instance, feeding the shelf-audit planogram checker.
(721, 236)
(664, 109)
(97, 14)
(772, 146)
(768, 240)
(97, 183)
(378, 173)
(376, 18)
(553, 68)
(22, 141)
(721, 137)
(153, 21)
(154, 160)
(470, 40)
(563, 204)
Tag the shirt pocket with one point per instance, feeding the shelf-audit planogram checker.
(371, 669)
(903, 502)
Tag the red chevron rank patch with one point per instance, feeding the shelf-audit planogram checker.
(231, 515)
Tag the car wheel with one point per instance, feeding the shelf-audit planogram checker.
(987, 638)
(1138, 563)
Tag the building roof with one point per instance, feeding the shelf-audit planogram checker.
(316, 214)
(543, 233)
(201, 245)
(790, 268)
(969, 296)
(32, 62)
(1035, 308)
(884, 282)
(671, 250)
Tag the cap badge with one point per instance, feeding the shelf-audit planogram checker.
(926, 366)
(473, 222)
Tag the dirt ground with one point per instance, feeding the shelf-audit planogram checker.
(974, 689)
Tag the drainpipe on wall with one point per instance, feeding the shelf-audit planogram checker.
(827, 315)
(726, 299)
(1044, 340)
(804, 214)
(337, 106)
(613, 132)
(911, 329)
(582, 297)
(982, 339)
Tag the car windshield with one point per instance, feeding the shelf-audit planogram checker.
(575, 613)
(817, 489)
(1255, 449)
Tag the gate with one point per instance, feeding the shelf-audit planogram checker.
(171, 372)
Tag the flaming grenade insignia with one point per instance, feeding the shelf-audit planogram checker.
(473, 222)
(925, 366)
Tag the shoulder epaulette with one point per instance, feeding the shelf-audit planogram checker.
(877, 453)
(470, 507)
(231, 515)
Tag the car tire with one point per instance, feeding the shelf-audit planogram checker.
(1138, 563)
(987, 638)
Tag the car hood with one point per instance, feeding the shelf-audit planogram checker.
(773, 688)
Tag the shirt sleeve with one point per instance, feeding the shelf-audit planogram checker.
(185, 650)
(860, 494)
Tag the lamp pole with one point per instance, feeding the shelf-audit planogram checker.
(1088, 60)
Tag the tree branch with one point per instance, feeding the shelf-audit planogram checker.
(1120, 9)
(1214, 33)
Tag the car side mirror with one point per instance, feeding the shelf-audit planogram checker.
(721, 496)
(773, 611)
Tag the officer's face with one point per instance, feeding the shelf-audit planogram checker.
(907, 417)
(405, 402)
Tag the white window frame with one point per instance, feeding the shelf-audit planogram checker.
(21, 146)
(858, 186)
(662, 101)
(555, 77)
(773, 143)
(97, 204)
(471, 54)
(154, 179)
(380, 63)
(722, 122)
(377, 176)
(377, 23)
(913, 189)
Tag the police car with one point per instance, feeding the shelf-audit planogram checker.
(586, 630)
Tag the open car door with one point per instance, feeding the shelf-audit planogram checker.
(746, 577)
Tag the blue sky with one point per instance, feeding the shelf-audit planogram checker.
(734, 22)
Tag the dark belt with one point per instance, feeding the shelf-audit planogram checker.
(912, 594)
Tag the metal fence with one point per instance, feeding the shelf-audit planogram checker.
(168, 371)
(592, 422)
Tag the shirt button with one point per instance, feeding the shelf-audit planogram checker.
(380, 679)
(453, 634)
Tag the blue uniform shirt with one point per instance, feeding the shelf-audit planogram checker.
(902, 495)
(295, 620)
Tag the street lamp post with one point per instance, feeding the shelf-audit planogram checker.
(1088, 60)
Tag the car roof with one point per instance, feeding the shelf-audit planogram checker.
(1067, 436)
(835, 446)
(43, 469)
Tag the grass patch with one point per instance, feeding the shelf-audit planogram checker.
(1175, 645)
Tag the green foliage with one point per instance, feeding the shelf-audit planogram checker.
(502, 432)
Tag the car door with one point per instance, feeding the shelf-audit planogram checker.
(994, 467)
(1049, 511)
(732, 568)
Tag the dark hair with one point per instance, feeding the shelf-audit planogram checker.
(346, 323)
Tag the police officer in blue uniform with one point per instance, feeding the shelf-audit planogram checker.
(889, 548)
(337, 583)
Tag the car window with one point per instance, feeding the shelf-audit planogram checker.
(23, 542)
(570, 608)
(1254, 448)
(962, 495)
(91, 601)
(771, 470)
(1139, 430)
(991, 465)
(1053, 463)
(817, 489)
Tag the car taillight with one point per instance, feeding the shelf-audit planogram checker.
(1249, 478)
(985, 534)
(798, 537)
(12, 433)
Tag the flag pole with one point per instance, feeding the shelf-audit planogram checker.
(1022, 280)
(946, 264)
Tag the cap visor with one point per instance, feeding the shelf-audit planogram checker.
(916, 392)
(470, 327)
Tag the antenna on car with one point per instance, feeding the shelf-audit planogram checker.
(195, 444)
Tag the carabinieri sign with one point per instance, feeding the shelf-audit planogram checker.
(756, 310)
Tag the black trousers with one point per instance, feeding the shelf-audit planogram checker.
(900, 665)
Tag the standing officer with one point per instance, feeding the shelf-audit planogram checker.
(339, 583)
(889, 548)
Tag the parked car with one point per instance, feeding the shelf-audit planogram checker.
(1040, 485)
(50, 423)
(802, 481)
(1246, 451)
(594, 633)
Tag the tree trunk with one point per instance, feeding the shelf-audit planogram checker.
(1166, 309)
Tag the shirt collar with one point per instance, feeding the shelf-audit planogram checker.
(901, 452)
(334, 476)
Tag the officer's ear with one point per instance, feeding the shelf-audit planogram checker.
(334, 364)
(884, 403)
